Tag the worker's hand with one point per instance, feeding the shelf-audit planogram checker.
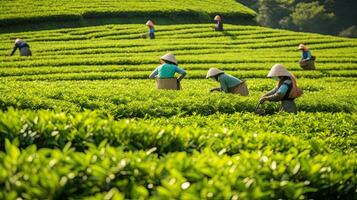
(215, 89)
(178, 84)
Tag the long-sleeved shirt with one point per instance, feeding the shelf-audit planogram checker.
(19, 45)
(306, 55)
(152, 32)
(278, 93)
(219, 26)
(167, 71)
(227, 81)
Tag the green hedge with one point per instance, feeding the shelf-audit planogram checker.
(105, 172)
(233, 133)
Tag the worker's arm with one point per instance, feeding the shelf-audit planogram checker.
(275, 97)
(154, 73)
(271, 92)
(182, 73)
(278, 95)
(13, 50)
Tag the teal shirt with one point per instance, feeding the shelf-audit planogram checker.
(227, 81)
(283, 89)
(166, 71)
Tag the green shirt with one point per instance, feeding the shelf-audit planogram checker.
(166, 71)
(227, 81)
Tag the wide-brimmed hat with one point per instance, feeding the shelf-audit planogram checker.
(18, 41)
(302, 47)
(149, 23)
(279, 70)
(169, 57)
(217, 18)
(214, 72)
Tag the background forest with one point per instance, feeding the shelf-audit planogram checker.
(335, 17)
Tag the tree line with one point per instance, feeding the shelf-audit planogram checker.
(334, 17)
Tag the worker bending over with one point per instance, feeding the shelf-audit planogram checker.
(228, 83)
(285, 91)
(307, 60)
(23, 47)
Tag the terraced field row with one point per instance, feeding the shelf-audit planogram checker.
(139, 98)
(72, 68)
(116, 51)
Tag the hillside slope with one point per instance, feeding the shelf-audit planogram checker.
(79, 67)
(87, 11)
(242, 49)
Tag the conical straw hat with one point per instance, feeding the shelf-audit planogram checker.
(217, 18)
(279, 70)
(213, 72)
(18, 41)
(149, 23)
(302, 47)
(169, 57)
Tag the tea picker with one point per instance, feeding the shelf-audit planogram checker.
(228, 83)
(23, 47)
(151, 33)
(307, 60)
(165, 73)
(219, 24)
(286, 90)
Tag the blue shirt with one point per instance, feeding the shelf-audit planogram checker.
(219, 26)
(306, 55)
(227, 81)
(19, 45)
(166, 71)
(151, 30)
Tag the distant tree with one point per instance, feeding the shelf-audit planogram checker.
(272, 11)
(253, 4)
(312, 17)
(346, 13)
(336, 17)
(349, 32)
(286, 23)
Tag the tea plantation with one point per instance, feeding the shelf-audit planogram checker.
(22, 12)
(81, 120)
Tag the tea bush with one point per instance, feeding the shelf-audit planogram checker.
(108, 172)
(80, 120)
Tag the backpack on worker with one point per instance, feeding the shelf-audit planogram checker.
(295, 92)
(168, 84)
